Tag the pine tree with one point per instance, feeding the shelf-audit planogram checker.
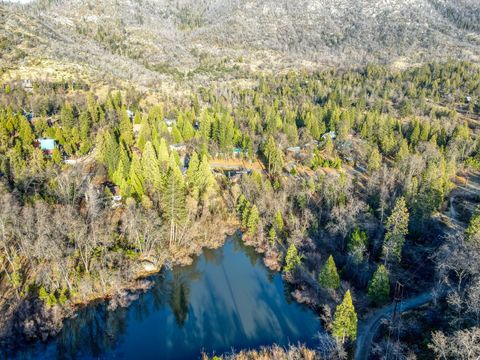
(107, 150)
(345, 320)
(329, 147)
(205, 180)
(357, 244)
(379, 286)
(144, 135)
(163, 154)
(85, 124)
(272, 236)
(274, 156)
(292, 259)
(150, 167)
(191, 174)
(177, 136)
(174, 199)
(278, 222)
(187, 130)
(246, 214)
(126, 128)
(66, 116)
(155, 115)
(121, 175)
(374, 160)
(253, 220)
(56, 156)
(473, 230)
(396, 230)
(328, 276)
(136, 178)
(403, 151)
(241, 204)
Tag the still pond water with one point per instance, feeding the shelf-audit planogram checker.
(225, 300)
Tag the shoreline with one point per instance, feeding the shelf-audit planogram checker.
(121, 296)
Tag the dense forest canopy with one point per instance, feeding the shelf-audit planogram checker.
(344, 174)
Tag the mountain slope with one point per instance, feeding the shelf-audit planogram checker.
(147, 41)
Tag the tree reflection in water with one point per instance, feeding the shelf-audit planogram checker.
(226, 299)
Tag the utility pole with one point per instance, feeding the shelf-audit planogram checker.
(397, 302)
(394, 331)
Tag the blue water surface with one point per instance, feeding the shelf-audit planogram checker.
(226, 300)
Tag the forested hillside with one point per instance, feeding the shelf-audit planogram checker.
(344, 178)
(155, 43)
(338, 139)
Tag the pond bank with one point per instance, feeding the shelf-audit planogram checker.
(226, 299)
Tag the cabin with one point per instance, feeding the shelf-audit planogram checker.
(331, 134)
(292, 150)
(235, 175)
(28, 115)
(178, 148)
(237, 152)
(46, 145)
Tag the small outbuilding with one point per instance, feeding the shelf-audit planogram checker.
(46, 145)
(178, 148)
(293, 149)
(331, 134)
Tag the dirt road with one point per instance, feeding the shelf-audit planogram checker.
(368, 328)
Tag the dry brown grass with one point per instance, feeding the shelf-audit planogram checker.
(274, 352)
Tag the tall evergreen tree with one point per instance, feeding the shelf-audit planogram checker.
(396, 230)
(473, 230)
(328, 276)
(144, 135)
(205, 180)
(174, 208)
(126, 128)
(107, 150)
(150, 167)
(379, 286)
(136, 178)
(278, 222)
(163, 154)
(253, 220)
(292, 259)
(274, 157)
(345, 320)
(191, 174)
(374, 160)
(357, 244)
(67, 117)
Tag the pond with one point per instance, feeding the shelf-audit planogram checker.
(226, 300)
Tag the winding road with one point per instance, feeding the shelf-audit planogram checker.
(368, 329)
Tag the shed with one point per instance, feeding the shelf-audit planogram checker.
(293, 149)
(178, 147)
(236, 152)
(46, 145)
(330, 134)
